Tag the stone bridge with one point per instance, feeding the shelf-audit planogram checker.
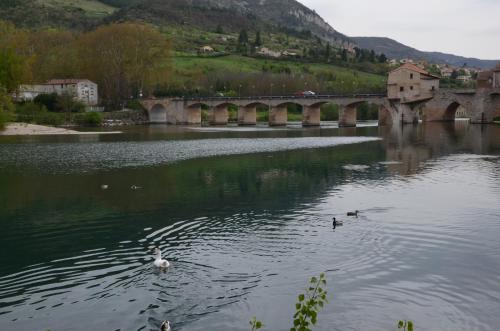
(482, 106)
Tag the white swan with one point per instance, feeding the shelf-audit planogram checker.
(165, 326)
(159, 262)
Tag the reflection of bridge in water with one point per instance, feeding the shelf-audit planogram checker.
(481, 106)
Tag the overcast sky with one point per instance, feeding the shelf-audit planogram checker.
(462, 27)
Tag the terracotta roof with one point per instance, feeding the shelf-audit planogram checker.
(412, 67)
(484, 75)
(65, 81)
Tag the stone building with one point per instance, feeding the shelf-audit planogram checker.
(81, 89)
(410, 83)
(489, 79)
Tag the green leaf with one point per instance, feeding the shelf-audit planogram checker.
(410, 326)
(297, 306)
(301, 297)
(296, 322)
(258, 325)
(314, 280)
(401, 324)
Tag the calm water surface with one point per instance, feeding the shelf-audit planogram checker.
(244, 215)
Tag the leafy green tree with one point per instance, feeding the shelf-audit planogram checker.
(48, 100)
(6, 108)
(243, 37)
(327, 51)
(405, 325)
(15, 60)
(256, 325)
(344, 55)
(258, 40)
(310, 304)
(382, 58)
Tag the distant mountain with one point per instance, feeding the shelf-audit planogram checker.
(395, 50)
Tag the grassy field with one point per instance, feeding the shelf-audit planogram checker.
(314, 76)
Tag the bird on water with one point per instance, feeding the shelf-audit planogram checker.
(353, 213)
(159, 262)
(337, 223)
(165, 326)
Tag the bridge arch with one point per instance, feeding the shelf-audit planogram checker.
(450, 113)
(158, 114)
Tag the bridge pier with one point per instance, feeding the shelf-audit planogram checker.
(278, 116)
(384, 116)
(247, 115)
(191, 115)
(405, 114)
(311, 116)
(347, 116)
(219, 115)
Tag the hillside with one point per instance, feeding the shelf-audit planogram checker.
(232, 15)
(396, 50)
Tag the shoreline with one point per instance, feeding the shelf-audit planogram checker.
(25, 129)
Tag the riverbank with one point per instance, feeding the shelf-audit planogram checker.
(25, 129)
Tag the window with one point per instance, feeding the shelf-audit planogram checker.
(411, 88)
(411, 76)
(401, 89)
(433, 88)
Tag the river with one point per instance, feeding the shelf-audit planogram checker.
(244, 216)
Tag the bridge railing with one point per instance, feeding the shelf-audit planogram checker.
(283, 97)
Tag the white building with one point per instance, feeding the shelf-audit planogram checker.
(81, 89)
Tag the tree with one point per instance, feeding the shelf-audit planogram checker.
(124, 59)
(6, 108)
(327, 51)
(243, 37)
(344, 55)
(15, 60)
(47, 100)
(382, 58)
(258, 41)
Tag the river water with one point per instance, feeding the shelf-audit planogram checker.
(244, 216)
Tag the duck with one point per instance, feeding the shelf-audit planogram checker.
(337, 223)
(165, 326)
(104, 187)
(353, 213)
(159, 262)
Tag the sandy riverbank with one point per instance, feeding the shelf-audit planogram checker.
(24, 129)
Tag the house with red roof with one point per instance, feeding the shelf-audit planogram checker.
(410, 83)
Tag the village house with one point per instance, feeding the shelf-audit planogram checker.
(464, 78)
(489, 79)
(446, 72)
(410, 83)
(82, 90)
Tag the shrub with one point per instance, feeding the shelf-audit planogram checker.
(47, 100)
(5, 117)
(89, 119)
(6, 108)
(34, 113)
